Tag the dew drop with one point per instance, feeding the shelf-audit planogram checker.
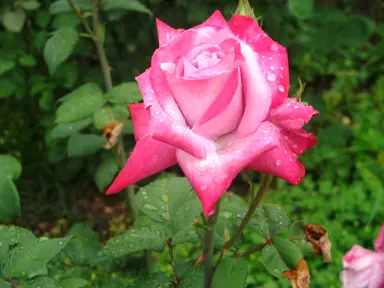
(161, 120)
(281, 68)
(157, 112)
(281, 88)
(296, 107)
(278, 163)
(271, 77)
(271, 67)
(270, 58)
(203, 187)
(285, 152)
(290, 159)
(273, 47)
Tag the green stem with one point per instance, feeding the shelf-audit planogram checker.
(254, 204)
(208, 246)
(105, 68)
(100, 46)
(172, 258)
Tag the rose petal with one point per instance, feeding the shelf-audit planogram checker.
(356, 258)
(194, 96)
(379, 244)
(178, 135)
(281, 162)
(224, 114)
(298, 140)
(210, 177)
(292, 114)
(140, 120)
(148, 157)
(257, 93)
(216, 20)
(166, 33)
(273, 57)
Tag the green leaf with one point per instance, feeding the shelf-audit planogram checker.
(12, 235)
(9, 167)
(153, 280)
(105, 172)
(57, 153)
(14, 20)
(193, 279)
(269, 220)
(301, 9)
(9, 200)
(46, 100)
(41, 281)
(110, 114)
(4, 284)
(80, 104)
(66, 20)
(171, 201)
(131, 5)
(61, 131)
(124, 94)
(59, 47)
(6, 65)
(73, 283)
(231, 273)
(296, 231)
(62, 6)
(23, 259)
(7, 87)
(132, 241)
(27, 60)
(84, 144)
(84, 246)
(356, 31)
(30, 5)
(273, 262)
(42, 19)
(305, 246)
(374, 185)
(288, 251)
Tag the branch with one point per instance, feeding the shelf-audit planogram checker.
(77, 11)
(172, 257)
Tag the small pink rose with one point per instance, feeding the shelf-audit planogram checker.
(364, 268)
(216, 102)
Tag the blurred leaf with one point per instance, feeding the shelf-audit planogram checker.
(106, 172)
(46, 100)
(108, 114)
(296, 231)
(356, 31)
(73, 283)
(9, 200)
(193, 279)
(57, 153)
(61, 131)
(231, 273)
(42, 18)
(374, 184)
(62, 6)
(273, 262)
(7, 87)
(41, 281)
(84, 144)
(131, 5)
(9, 167)
(80, 104)
(301, 9)
(27, 60)
(59, 47)
(153, 280)
(4, 284)
(30, 4)
(124, 94)
(23, 259)
(6, 65)
(13, 20)
(84, 245)
(66, 20)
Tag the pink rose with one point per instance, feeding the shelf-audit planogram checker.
(364, 268)
(216, 102)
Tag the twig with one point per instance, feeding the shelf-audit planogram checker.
(246, 253)
(77, 11)
(255, 203)
(172, 258)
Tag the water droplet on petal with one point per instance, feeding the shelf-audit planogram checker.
(296, 106)
(161, 120)
(278, 163)
(271, 77)
(281, 88)
(290, 159)
(157, 112)
(270, 58)
(203, 187)
(285, 152)
(281, 68)
(273, 47)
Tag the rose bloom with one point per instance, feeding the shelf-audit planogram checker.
(216, 102)
(364, 268)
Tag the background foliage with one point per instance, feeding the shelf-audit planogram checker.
(52, 161)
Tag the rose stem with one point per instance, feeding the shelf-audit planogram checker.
(96, 37)
(254, 204)
(208, 247)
